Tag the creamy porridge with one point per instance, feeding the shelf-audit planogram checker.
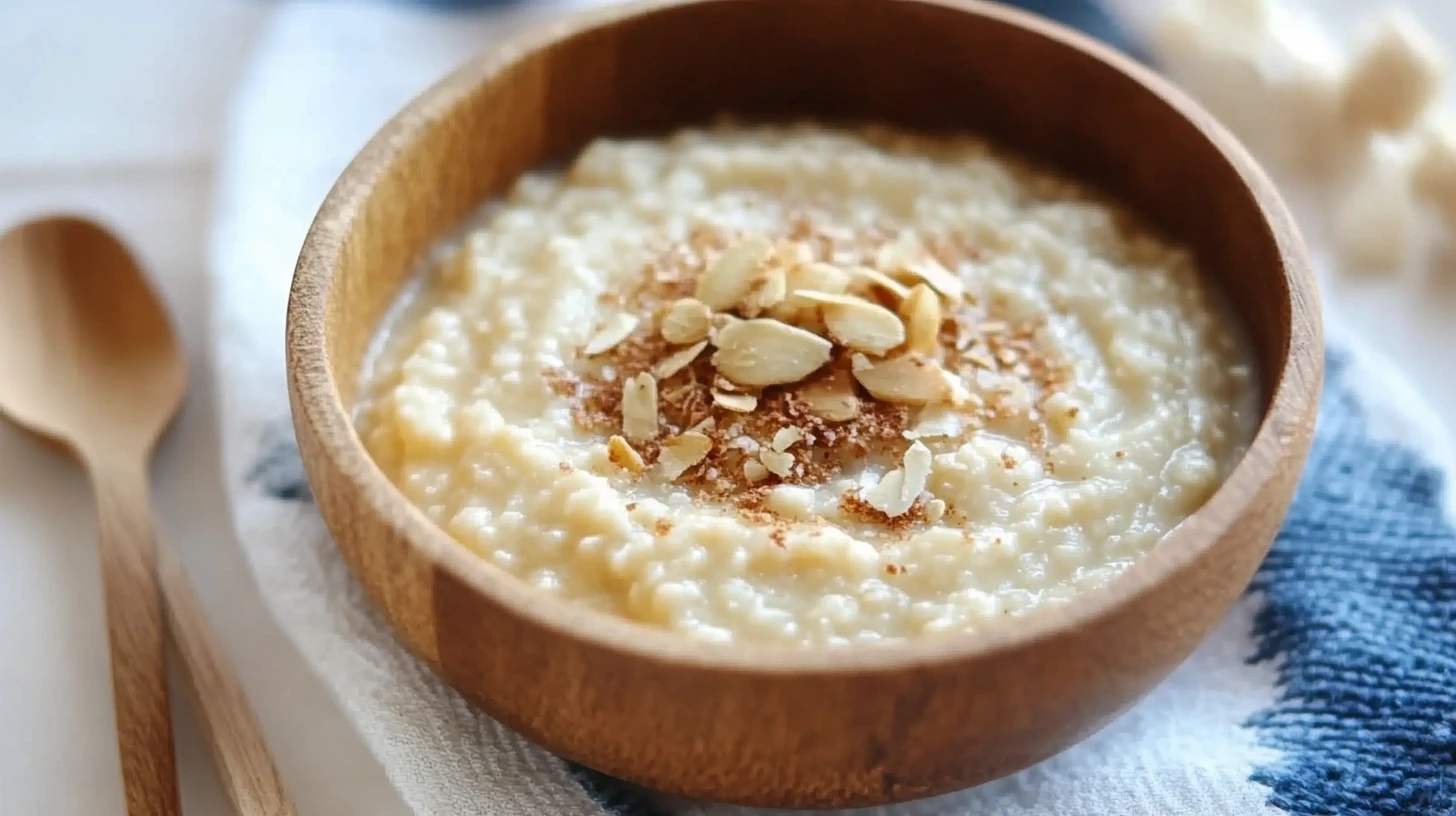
(808, 386)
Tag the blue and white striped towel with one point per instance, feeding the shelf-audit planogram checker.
(1331, 689)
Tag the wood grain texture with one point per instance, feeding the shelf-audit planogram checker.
(138, 637)
(243, 764)
(89, 359)
(769, 725)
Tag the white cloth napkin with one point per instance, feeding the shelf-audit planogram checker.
(324, 77)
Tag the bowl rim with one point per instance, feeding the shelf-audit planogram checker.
(318, 401)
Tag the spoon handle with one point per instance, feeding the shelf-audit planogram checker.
(138, 645)
(232, 730)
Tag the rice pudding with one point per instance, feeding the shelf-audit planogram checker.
(809, 386)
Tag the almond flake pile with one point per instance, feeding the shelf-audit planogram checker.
(742, 362)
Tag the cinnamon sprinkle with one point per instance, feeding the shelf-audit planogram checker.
(973, 344)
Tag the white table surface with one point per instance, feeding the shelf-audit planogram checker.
(73, 74)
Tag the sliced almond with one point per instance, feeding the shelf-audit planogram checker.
(778, 463)
(888, 496)
(942, 280)
(677, 361)
(814, 277)
(794, 253)
(917, 464)
(786, 437)
(639, 408)
(832, 398)
(858, 324)
(921, 311)
(624, 456)
(724, 384)
(937, 422)
(909, 380)
(754, 471)
(865, 281)
(741, 403)
(764, 352)
(618, 328)
(719, 322)
(818, 277)
(768, 290)
(906, 256)
(728, 280)
(687, 321)
(683, 452)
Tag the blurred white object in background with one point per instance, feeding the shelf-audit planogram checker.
(1337, 120)
(1266, 69)
(1375, 221)
(1394, 78)
(1433, 167)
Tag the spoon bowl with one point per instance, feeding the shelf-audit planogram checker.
(90, 358)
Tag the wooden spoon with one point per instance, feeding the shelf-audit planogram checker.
(88, 359)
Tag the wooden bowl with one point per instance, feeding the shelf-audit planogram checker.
(771, 725)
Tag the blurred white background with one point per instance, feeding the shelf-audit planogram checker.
(118, 109)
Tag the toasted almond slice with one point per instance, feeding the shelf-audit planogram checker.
(682, 452)
(794, 253)
(639, 408)
(942, 280)
(906, 256)
(754, 471)
(786, 437)
(921, 311)
(764, 352)
(864, 281)
(888, 496)
(687, 321)
(768, 290)
(617, 328)
(818, 277)
(677, 361)
(814, 277)
(832, 398)
(721, 321)
(909, 379)
(917, 464)
(778, 463)
(858, 324)
(741, 403)
(730, 277)
(624, 456)
(893, 255)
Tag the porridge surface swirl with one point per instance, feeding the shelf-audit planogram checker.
(810, 386)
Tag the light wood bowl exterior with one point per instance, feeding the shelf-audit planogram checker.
(764, 725)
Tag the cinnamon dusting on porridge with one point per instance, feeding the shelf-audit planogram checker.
(732, 381)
